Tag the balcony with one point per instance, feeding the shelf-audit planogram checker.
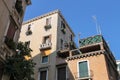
(47, 27)
(64, 52)
(86, 76)
(5, 52)
(45, 46)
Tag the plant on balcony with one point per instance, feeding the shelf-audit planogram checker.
(19, 7)
(28, 32)
(63, 30)
(18, 66)
(47, 27)
(10, 43)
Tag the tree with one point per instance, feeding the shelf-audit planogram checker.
(20, 66)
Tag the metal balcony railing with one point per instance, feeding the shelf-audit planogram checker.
(88, 75)
(45, 46)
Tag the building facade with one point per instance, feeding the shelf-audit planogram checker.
(95, 62)
(46, 35)
(11, 17)
(56, 55)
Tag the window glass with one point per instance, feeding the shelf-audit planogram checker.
(44, 59)
(27, 44)
(48, 21)
(11, 30)
(62, 25)
(83, 69)
(43, 75)
(47, 39)
(61, 73)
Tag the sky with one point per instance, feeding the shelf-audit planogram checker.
(79, 15)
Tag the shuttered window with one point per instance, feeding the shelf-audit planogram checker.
(83, 69)
(11, 30)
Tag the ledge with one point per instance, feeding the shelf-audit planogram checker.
(86, 55)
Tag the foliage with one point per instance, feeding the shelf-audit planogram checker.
(63, 30)
(47, 27)
(18, 66)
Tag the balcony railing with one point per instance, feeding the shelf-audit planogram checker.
(88, 75)
(5, 52)
(45, 46)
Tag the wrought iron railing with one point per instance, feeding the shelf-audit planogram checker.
(88, 75)
(45, 46)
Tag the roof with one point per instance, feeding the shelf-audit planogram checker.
(48, 14)
(90, 40)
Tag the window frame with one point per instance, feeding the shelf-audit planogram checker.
(27, 43)
(48, 21)
(42, 59)
(78, 74)
(118, 67)
(43, 69)
(44, 40)
(61, 66)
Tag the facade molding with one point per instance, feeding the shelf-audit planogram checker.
(86, 55)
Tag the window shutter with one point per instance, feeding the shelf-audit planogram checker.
(11, 30)
(83, 69)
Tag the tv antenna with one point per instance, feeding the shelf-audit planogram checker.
(98, 28)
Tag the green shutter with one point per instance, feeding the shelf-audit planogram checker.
(83, 69)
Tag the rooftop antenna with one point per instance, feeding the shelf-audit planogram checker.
(98, 28)
(78, 39)
(100, 32)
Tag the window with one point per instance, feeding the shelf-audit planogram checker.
(71, 37)
(61, 44)
(43, 75)
(44, 59)
(11, 30)
(83, 69)
(27, 44)
(48, 21)
(47, 39)
(9, 39)
(61, 73)
(29, 32)
(48, 24)
(63, 27)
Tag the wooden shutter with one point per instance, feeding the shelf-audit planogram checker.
(11, 30)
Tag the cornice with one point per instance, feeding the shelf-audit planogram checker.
(86, 55)
(42, 16)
